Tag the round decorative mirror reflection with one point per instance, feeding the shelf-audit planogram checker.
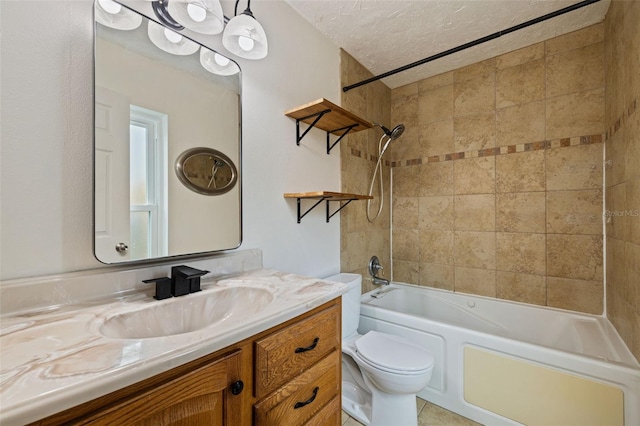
(206, 171)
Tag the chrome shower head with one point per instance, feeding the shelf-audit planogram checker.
(392, 134)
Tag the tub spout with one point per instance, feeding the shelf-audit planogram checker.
(380, 281)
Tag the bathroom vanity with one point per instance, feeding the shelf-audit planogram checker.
(288, 374)
(270, 357)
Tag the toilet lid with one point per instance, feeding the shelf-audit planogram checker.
(395, 353)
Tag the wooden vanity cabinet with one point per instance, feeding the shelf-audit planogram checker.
(290, 376)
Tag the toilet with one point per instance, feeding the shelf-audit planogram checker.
(381, 373)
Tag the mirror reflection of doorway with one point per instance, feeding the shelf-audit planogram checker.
(148, 183)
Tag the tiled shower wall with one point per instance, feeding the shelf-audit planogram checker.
(360, 239)
(497, 182)
(622, 169)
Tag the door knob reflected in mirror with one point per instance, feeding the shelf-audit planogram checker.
(122, 248)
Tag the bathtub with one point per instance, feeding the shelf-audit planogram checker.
(506, 363)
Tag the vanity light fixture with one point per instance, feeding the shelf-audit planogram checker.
(216, 63)
(244, 36)
(113, 15)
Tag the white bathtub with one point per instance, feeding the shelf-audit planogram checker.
(501, 362)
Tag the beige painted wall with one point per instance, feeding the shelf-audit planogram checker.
(622, 169)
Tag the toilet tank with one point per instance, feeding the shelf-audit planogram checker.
(350, 302)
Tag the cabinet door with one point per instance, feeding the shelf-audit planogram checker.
(201, 397)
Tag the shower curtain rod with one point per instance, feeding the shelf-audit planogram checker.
(473, 43)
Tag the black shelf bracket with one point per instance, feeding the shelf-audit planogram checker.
(346, 130)
(329, 216)
(318, 116)
(328, 202)
(301, 215)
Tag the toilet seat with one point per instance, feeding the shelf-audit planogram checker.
(393, 354)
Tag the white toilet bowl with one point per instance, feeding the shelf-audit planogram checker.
(381, 372)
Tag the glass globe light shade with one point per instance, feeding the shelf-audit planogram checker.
(170, 41)
(113, 15)
(216, 63)
(245, 37)
(201, 16)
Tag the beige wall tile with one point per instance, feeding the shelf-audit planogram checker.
(520, 124)
(586, 62)
(575, 39)
(475, 212)
(405, 244)
(437, 275)
(520, 84)
(633, 209)
(474, 175)
(520, 56)
(436, 81)
(574, 256)
(405, 181)
(475, 96)
(575, 114)
(632, 272)
(617, 222)
(576, 167)
(403, 92)
(576, 295)
(574, 212)
(405, 213)
(479, 69)
(435, 247)
(632, 143)
(433, 178)
(474, 132)
(436, 138)
(436, 104)
(525, 288)
(520, 252)
(521, 212)
(475, 281)
(435, 213)
(405, 271)
(616, 273)
(475, 249)
(522, 172)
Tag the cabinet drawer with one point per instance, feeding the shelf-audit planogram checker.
(286, 353)
(300, 400)
(330, 415)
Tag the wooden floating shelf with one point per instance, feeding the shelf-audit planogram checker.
(327, 116)
(326, 196)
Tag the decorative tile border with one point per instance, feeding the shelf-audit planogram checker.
(490, 152)
(512, 149)
(626, 115)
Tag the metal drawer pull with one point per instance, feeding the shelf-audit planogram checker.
(308, 401)
(309, 348)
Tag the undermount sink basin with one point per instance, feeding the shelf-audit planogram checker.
(187, 313)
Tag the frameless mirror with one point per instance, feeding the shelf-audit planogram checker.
(151, 107)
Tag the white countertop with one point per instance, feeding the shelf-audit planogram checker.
(54, 359)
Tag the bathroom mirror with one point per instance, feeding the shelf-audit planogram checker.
(152, 106)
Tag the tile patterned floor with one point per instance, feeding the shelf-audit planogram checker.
(428, 415)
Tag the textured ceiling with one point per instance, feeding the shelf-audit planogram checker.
(386, 34)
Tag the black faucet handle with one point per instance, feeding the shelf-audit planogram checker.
(187, 271)
(163, 287)
(186, 279)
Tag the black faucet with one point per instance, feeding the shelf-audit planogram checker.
(184, 280)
